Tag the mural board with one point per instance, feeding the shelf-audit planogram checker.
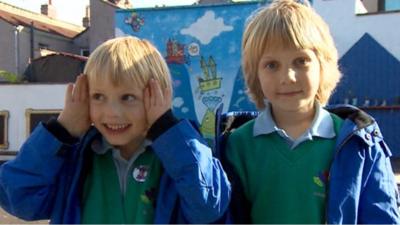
(201, 45)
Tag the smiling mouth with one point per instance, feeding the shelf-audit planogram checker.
(116, 127)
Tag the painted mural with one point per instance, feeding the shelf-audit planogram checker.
(201, 45)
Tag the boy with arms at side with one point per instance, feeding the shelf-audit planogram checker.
(296, 162)
(137, 164)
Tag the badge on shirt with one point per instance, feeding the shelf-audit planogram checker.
(140, 173)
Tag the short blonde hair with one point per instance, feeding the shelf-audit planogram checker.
(128, 58)
(286, 23)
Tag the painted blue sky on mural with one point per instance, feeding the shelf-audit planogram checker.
(201, 45)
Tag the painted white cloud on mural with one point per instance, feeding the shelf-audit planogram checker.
(206, 28)
(177, 102)
(234, 19)
(232, 47)
(120, 33)
(185, 109)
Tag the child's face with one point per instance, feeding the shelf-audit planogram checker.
(289, 78)
(118, 112)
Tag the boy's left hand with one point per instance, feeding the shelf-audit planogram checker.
(156, 101)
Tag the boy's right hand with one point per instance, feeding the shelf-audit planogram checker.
(157, 101)
(75, 117)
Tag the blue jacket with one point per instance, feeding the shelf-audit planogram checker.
(45, 180)
(362, 187)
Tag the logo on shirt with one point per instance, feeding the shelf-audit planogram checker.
(149, 196)
(140, 173)
(322, 179)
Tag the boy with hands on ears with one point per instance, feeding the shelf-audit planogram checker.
(116, 153)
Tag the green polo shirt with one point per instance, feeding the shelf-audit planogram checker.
(106, 201)
(284, 184)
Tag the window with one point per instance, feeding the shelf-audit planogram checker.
(391, 5)
(3, 129)
(35, 116)
(85, 52)
(376, 6)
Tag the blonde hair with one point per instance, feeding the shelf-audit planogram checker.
(128, 58)
(284, 24)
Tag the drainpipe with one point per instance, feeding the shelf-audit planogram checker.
(32, 41)
(17, 30)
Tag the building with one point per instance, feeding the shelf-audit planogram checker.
(55, 67)
(102, 21)
(368, 39)
(25, 33)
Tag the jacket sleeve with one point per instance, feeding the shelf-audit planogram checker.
(28, 183)
(202, 184)
(379, 198)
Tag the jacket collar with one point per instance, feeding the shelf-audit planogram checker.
(356, 122)
(360, 118)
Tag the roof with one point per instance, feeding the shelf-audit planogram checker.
(17, 16)
(49, 53)
(58, 67)
(117, 5)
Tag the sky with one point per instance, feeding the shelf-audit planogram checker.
(73, 10)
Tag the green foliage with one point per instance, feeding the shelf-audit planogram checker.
(9, 77)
